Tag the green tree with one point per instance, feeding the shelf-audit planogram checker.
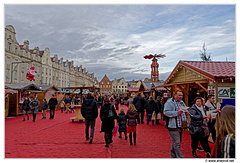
(203, 54)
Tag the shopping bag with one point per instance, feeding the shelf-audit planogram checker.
(159, 116)
(153, 115)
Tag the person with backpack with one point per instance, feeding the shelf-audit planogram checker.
(107, 116)
(90, 112)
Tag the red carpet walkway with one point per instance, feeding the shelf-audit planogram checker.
(60, 138)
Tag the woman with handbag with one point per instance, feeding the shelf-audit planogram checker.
(132, 116)
(107, 116)
(198, 128)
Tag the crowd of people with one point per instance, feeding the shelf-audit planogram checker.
(201, 120)
(205, 118)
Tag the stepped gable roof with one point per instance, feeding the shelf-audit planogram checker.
(211, 70)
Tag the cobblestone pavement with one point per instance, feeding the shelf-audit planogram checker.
(60, 138)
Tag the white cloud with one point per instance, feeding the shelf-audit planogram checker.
(105, 37)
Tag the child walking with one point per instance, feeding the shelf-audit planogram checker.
(132, 117)
(122, 124)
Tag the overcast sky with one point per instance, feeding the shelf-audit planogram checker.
(112, 39)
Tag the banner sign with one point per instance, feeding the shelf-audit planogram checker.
(226, 92)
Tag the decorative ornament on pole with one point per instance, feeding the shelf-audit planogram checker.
(154, 65)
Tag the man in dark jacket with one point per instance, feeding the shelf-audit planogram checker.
(90, 113)
(139, 103)
(52, 104)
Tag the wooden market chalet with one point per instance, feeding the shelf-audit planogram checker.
(198, 78)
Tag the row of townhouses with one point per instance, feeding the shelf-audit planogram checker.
(121, 86)
(49, 70)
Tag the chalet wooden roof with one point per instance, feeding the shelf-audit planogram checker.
(210, 70)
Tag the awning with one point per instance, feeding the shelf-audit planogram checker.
(23, 86)
(10, 91)
(133, 89)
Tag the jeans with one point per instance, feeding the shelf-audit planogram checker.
(140, 116)
(176, 136)
(149, 118)
(91, 124)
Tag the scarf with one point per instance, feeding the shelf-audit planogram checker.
(203, 114)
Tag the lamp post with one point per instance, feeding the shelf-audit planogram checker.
(12, 68)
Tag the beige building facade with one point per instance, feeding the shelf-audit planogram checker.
(49, 70)
(119, 85)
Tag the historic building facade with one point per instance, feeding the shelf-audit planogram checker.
(105, 85)
(119, 86)
(49, 70)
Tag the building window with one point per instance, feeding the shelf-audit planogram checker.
(7, 61)
(9, 46)
(7, 73)
(15, 75)
(22, 76)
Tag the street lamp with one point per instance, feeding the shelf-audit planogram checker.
(12, 68)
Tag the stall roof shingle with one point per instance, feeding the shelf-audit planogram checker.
(216, 69)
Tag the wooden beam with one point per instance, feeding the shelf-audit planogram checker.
(182, 89)
(201, 86)
(182, 83)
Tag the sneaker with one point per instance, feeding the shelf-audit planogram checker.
(107, 145)
(199, 149)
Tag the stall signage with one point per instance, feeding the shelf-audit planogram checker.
(232, 92)
(226, 92)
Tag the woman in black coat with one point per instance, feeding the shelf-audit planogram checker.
(198, 127)
(26, 108)
(107, 120)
